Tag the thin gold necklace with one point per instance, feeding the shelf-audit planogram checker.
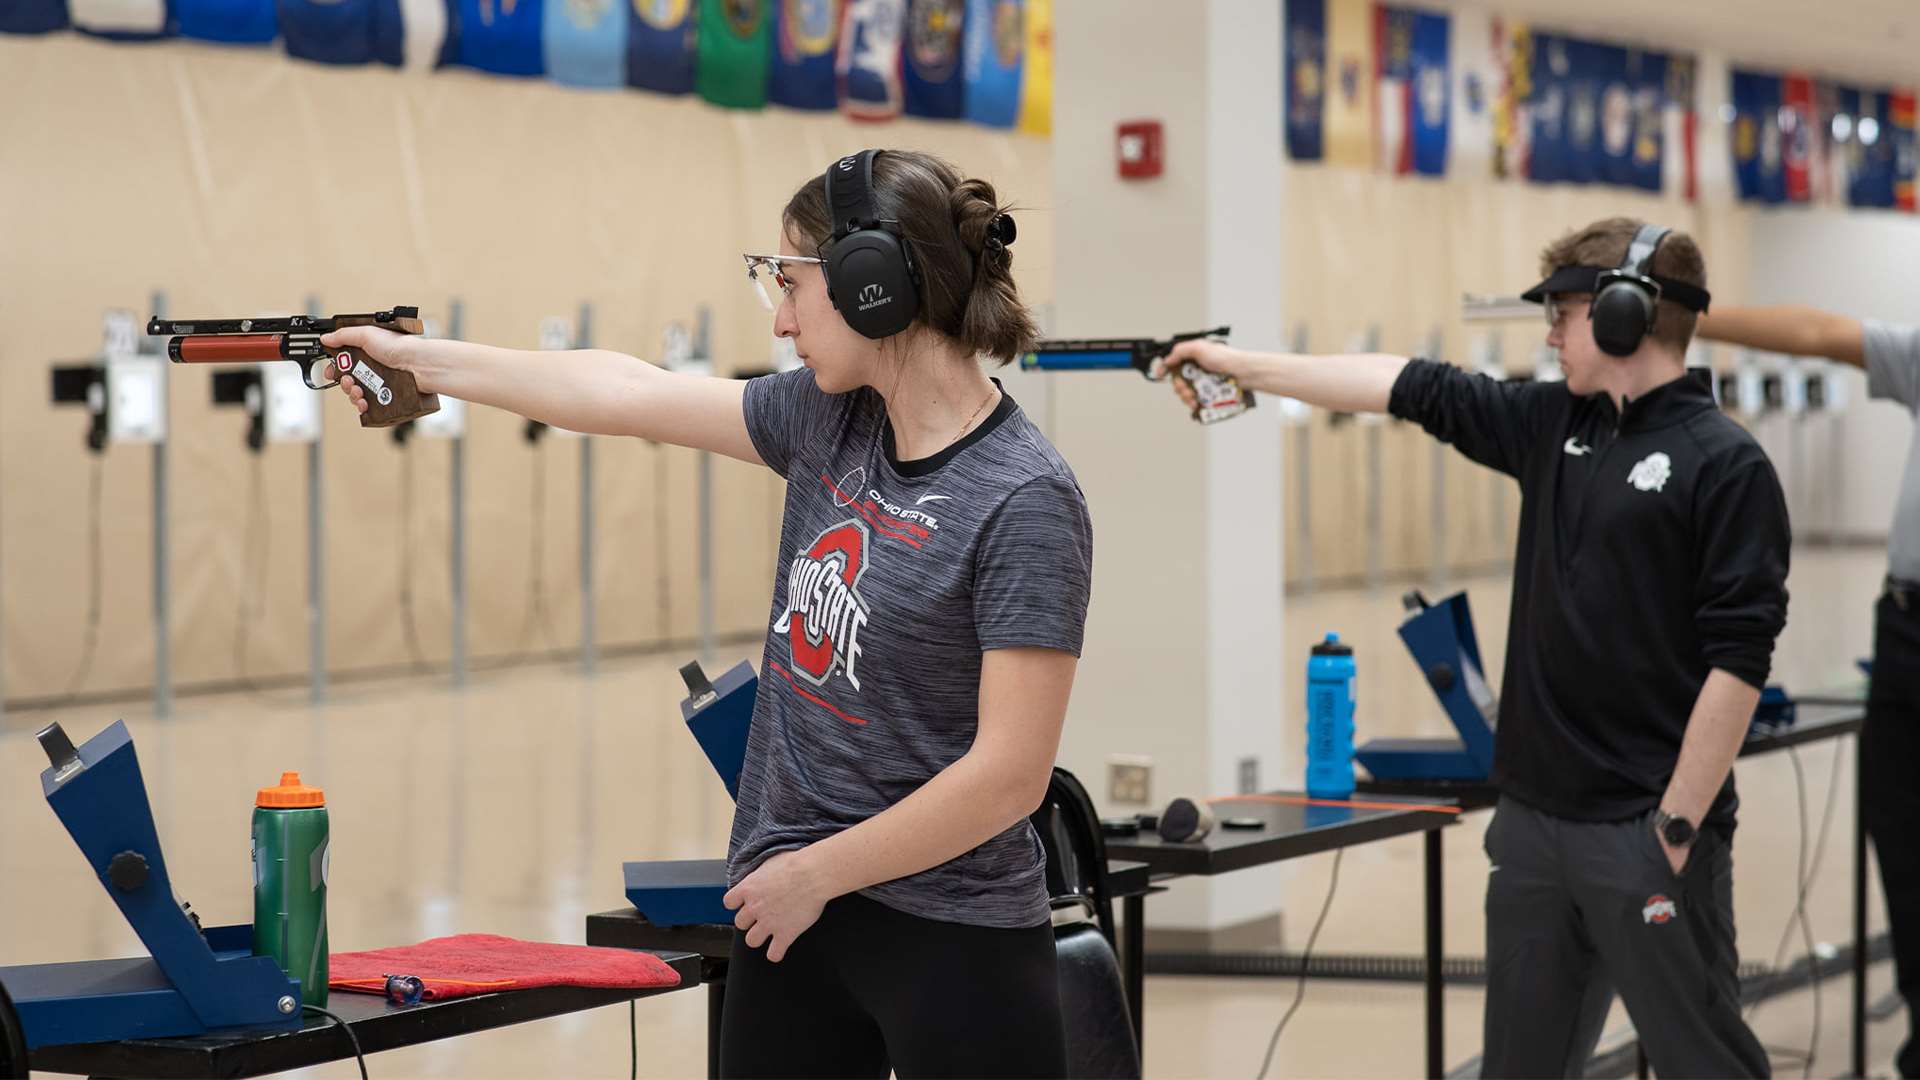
(991, 394)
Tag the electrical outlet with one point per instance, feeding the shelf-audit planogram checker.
(1249, 776)
(1130, 779)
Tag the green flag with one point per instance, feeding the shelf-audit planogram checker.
(736, 37)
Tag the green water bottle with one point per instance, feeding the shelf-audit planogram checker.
(290, 883)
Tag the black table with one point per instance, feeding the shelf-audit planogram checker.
(378, 1024)
(1292, 830)
(626, 928)
(1816, 718)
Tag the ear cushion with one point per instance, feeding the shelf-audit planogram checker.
(1622, 316)
(871, 284)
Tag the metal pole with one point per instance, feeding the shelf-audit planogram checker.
(1303, 480)
(457, 530)
(1859, 1018)
(583, 339)
(1376, 494)
(162, 645)
(3, 622)
(316, 560)
(706, 557)
(703, 352)
(1438, 522)
(1436, 959)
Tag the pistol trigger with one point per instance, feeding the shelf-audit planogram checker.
(317, 374)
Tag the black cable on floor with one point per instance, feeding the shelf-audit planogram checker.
(633, 1043)
(1809, 870)
(1306, 958)
(359, 1057)
(1800, 909)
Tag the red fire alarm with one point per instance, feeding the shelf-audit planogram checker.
(1136, 146)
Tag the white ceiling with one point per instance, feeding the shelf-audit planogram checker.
(1860, 41)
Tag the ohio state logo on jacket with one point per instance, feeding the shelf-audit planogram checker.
(825, 612)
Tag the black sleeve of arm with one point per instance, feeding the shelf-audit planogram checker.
(1741, 571)
(1491, 422)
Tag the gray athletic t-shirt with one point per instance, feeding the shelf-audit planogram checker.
(893, 578)
(1893, 372)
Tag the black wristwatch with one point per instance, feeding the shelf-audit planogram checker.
(1676, 830)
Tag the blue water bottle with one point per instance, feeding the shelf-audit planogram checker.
(1330, 720)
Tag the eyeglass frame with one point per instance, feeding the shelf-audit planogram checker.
(1553, 303)
(780, 278)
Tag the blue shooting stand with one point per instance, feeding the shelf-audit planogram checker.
(720, 715)
(1441, 639)
(193, 981)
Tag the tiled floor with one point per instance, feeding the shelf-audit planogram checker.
(509, 808)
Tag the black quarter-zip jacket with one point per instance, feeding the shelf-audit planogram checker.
(1653, 548)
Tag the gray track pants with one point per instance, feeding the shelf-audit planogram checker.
(1577, 911)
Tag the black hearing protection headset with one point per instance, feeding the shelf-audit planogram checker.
(1626, 300)
(869, 268)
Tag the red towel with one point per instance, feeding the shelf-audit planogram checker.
(483, 963)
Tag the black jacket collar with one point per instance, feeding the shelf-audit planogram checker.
(1666, 404)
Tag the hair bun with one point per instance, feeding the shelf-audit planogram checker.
(1001, 230)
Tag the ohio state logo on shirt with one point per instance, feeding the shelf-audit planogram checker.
(825, 612)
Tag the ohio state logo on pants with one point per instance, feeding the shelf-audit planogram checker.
(825, 612)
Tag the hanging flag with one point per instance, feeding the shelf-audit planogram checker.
(662, 43)
(995, 44)
(1631, 119)
(1849, 153)
(584, 42)
(736, 42)
(330, 31)
(122, 20)
(1550, 143)
(1305, 41)
(1410, 58)
(412, 34)
(1476, 82)
(1647, 81)
(1796, 137)
(232, 22)
(498, 36)
(1745, 136)
(1901, 108)
(1591, 67)
(802, 73)
(1757, 155)
(1513, 108)
(1431, 84)
(1679, 175)
(1393, 89)
(933, 84)
(1350, 112)
(1617, 118)
(33, 16)
(1827, 171)
(1874, 168)
(868, 65)
(1036, 80)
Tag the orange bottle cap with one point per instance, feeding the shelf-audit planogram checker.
(291, 794)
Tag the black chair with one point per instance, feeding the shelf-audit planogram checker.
(13, 1041)
(1099, 1027)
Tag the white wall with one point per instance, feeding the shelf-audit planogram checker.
(1182, 655)
(1861, 264)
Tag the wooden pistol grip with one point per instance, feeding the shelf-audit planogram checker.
(393, 396)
